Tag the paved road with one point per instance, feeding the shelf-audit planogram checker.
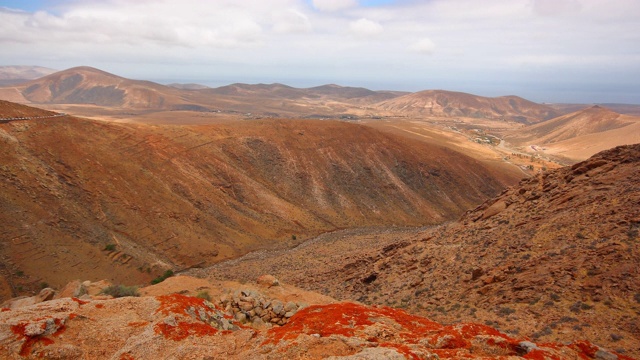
(32, 117)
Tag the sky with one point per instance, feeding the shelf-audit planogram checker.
(580, 51)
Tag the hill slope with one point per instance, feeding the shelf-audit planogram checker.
(450, 103)
(86, 85)
(554, 258)
(11, 75)
(580, 134)
(175, 197)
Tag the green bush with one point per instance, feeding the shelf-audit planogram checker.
(204, 295)
(159, 279)
(120, 291)
(110, 247)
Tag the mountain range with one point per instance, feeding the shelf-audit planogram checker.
(325, 221)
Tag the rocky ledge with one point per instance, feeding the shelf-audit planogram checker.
(187, 327)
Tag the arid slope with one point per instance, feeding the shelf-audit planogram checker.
(578, 135)
(182, 196)
(451, 104)
(553, 258)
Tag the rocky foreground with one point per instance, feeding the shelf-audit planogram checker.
(554, 258)
(168, 321)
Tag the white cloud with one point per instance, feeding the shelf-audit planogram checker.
(423, 46)
(334, 5)
(496, 40)
(556, 7)
(291, 21)
(365, 27)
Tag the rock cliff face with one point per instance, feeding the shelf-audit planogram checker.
(182, 326)
(554, 258)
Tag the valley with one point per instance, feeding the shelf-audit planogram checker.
(456, 207)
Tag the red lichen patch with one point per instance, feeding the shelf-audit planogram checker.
(126, 356)
(585, 349)
(73, 316)
(402, 349)
(178, 304)
(81, 302)
(30, 341)
(452, 354)
(345, 319)
(184, 329)
(138, 323)
(472, 330)
(414, 328)
(334, 319)
(99, 306)
(449, 338)
(4, 309)
(540, 354)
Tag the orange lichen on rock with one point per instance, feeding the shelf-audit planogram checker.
(345, 319)
(80, 302)
(4, 309)
(184, 329)
(32, 334)
(178, 304)
(402, 349)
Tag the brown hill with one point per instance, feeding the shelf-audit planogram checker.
(173, 323)
(126, 202)
(12, 75)
(580, 134)
(449, 103)
(10, 110)
(86, 85)
(554, 258)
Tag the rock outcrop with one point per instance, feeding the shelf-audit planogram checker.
(181, 326)
(554, 258)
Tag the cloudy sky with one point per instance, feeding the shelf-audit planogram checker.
(544, 50)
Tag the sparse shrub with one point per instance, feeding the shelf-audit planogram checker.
(110, 247)
(566, 319)
(636, 297)
(19, 273)
(505, 311)
(578, 306)
(159, 279)
(118, 291)
(580, 235)
(534, 301)
(584, 306)
(293, 237)
(546, 331)
(44, 285)
(204, 295)
(616, 337)
(554, 297)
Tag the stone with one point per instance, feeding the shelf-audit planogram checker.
(245, 306)
(602, 354)
(278, 307)
(267, 281)
(290, 306)
(241, 317)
